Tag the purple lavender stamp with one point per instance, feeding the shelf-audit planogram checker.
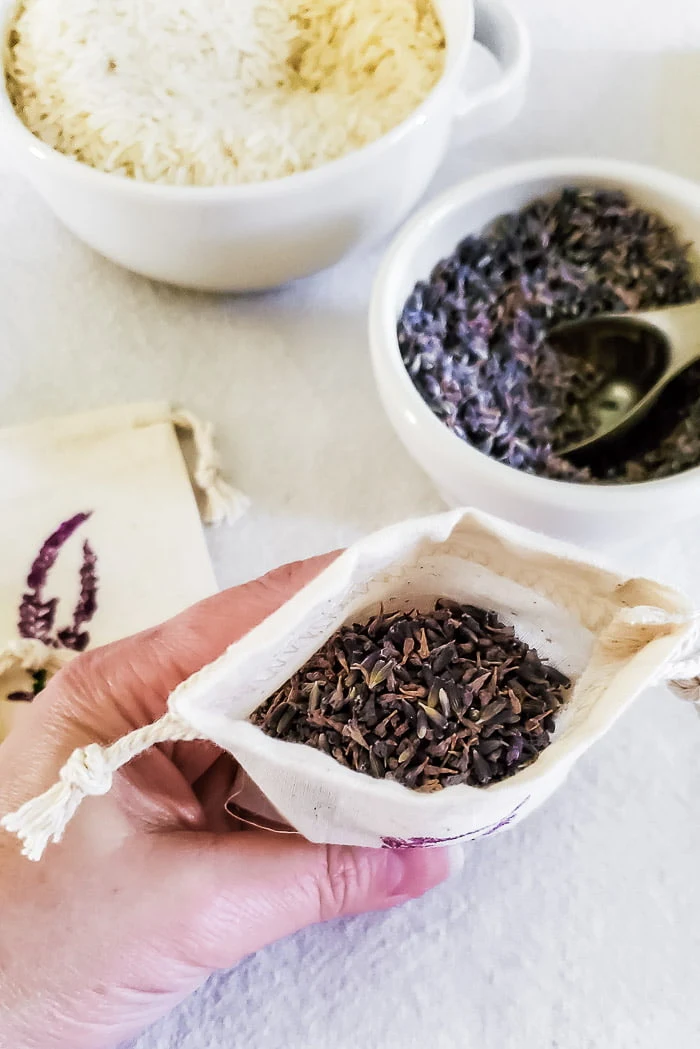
(37, 612)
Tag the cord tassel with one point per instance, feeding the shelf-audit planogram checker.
(222, 502)
(682, 676)
(87, 773)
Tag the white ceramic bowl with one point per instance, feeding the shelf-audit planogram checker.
(261, 235)
(463, 475)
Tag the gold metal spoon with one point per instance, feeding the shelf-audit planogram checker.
(640, 353)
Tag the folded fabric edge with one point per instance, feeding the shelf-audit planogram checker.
(221, 501)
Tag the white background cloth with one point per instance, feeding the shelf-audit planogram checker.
(581, 927)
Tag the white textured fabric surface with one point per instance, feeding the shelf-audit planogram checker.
(579, 928)
(645, 25)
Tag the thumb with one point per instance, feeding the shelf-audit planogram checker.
(245, 890)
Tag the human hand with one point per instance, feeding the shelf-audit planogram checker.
(152, 887)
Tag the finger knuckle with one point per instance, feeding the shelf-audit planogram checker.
(84, 668)
(280, 579)
(345, 880)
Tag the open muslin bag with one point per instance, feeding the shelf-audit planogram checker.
(611, 635)
(101, 532)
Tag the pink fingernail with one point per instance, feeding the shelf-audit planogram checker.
(411, 872)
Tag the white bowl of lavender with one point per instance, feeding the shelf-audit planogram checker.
(459, 318)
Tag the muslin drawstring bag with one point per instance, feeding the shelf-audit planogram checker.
(610, 634)
(101, 534)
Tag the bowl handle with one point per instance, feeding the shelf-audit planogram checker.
(503, 33)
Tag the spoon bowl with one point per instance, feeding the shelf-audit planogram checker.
(636, 356)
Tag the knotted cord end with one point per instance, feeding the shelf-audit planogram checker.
(88, 772)
(222, 502)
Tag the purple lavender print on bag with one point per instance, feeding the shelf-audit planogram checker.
(482, 832)
(37, 612)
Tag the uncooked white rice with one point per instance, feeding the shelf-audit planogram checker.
(211, 92)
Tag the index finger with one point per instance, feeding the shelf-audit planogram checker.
(106, 693)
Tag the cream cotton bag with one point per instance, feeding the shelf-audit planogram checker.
(101, 534)
(611, 635)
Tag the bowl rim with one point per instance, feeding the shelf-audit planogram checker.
(351, 162)
(384, 347)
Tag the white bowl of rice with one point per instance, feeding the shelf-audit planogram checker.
(241, 144)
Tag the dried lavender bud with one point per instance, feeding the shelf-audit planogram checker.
(474, 336)
(453, 716)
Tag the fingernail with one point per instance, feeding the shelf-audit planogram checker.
(411, 872)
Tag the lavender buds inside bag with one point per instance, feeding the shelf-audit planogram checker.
(102, 535)
(437, 682)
